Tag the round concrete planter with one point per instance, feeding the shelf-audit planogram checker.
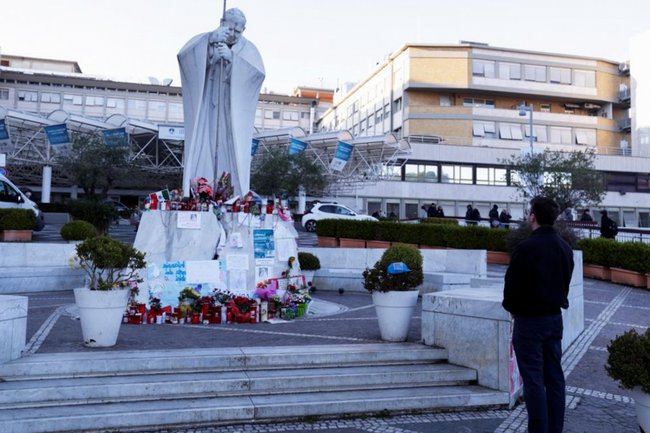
(101, 313)
(642, 403)
(394, 312)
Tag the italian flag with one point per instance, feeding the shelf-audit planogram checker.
(159, 196)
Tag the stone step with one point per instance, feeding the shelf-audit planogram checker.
(86, 390)
(115, 363)
(162, 414)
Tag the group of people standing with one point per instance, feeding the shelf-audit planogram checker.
(433, 211)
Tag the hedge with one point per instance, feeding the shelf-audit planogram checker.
(17, 219)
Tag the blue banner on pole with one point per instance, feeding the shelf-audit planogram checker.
(342, 154)
(4, 132)
(57, 134)
(115, 137)
(296, 146)
(254, 146)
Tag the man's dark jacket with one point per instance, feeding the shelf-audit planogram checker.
(538, 278)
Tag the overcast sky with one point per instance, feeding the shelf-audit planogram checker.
(308, 42)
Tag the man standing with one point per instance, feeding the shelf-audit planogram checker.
(221, 76)
(536, 289)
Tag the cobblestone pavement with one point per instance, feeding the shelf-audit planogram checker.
(594, 402)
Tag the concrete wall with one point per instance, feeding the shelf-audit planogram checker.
(37, 267)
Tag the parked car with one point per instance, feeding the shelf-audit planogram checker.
(321, 211)
(12, 197)
(122, 211)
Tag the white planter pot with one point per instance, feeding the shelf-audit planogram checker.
(101, 313)
(394, 312)
(642, 403)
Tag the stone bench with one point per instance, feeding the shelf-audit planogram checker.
(31, 267)
(475, 329)
(342, 268)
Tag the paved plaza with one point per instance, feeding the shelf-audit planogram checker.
(594, 402)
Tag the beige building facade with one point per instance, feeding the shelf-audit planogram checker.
(459, 108)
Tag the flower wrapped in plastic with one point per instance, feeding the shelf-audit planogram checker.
(265, 291)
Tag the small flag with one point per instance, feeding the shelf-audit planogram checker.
(158, 196)
(296, 146)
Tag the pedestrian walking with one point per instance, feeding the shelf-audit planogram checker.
(536, 289)
(493, 215)
(608, 228)
(586, 216)
(504, 218)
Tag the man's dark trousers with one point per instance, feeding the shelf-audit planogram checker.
(538, 345)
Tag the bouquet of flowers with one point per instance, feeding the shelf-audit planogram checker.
(224, 190)
(221, 297)
(265, 291)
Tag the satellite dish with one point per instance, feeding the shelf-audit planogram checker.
(167, 81)
(154, 80)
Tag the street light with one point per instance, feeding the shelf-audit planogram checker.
(522, 112)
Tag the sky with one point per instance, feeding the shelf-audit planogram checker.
(318, 43)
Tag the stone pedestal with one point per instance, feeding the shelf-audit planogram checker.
(474, 328)
(13, 326)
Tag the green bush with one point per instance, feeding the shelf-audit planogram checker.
(387, 231)
(308, 261)
(378, 279)
(78, 230)
(109, 263)
(524, 231)
(99, 213)
(633, 256)
(598, 251)
(629, 360)
(53, 207)
(439, 220)
(17, 219)
(327, 227)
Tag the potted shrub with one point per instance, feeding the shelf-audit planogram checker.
(326, 231)
(309, 264)
(111, 268)
(628, 362)
(78, 230)
(17, 225)
(393, 282)
(629, 263)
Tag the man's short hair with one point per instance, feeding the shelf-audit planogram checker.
(545, 209)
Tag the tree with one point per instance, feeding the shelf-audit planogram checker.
(94, 166)
(569, 178)
(279, 173)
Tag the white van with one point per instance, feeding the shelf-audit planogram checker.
(12, 197)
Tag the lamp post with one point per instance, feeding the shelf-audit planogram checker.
(522, 112)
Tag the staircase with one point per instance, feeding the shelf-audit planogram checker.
(106, 391)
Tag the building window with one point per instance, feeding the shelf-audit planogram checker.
(53, 98)
(560, 135)
(483, 68)
(117, 103)
(510, 71)
(136, 105)
(535, 73)
(445, 101)
(421, 173)
(97, 101)
(379, 116)
(290, 115)
(397, 105)
(510, 131)
(586, 137)
(392, 172)
(26, 96)
(539, 133)
(304, 115)
(484, 129)
(491, 176)
(478, 102)
(4, 94)
(270, 114)
(584, 78)
(456, 174)
(72, 100)
(545, 108)
(560, 75)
